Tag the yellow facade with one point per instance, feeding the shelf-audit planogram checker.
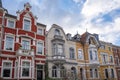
(99, 66)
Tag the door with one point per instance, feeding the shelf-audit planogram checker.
(39, 75)
(39, 72)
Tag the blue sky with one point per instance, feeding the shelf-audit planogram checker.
(97, 16)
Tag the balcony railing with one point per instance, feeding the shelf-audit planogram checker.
(58, 37)
(58, 59)
(25, 52)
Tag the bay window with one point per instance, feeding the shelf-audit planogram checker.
(26, 44)
(58, 49)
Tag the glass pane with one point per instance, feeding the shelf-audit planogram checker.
(10, 23)
(40, 31)
(25, 44)
(26, 25)
(25, 72)
(60, 49)
(9, 43)
(6, 72)
(40, 48)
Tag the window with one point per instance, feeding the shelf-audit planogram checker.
(26, 44)
(109, 48)
(40, 48)
(91, 57)
(118, 73)
(112, 73)
(106, 73)
(102, 46)
(7, 69)
(117, 61)
(80, 54)
(40, 31)
(62, 72)
(104, 58)
(9, 43)
(11, 24)
(73, 69)
(91, 73)
(54, 71)
(25, 69)
(71, 51)
(58, 49)
(27, 25)
(111, 59)
(96, 73)
(57, 32)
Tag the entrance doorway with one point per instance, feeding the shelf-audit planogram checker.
(39, 72)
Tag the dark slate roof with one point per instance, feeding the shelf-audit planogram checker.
(12, 16)
(41, 24)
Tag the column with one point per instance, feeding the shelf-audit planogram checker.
(18, 76)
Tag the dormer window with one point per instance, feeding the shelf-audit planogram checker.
(27, 25)
(57, 32)
(11, 23)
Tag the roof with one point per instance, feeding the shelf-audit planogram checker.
(40, 24)
(84, 37)
(10, 15)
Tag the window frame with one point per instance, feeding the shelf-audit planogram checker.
(28, 19)
(71, 53)
(7, 68)
(42, 48)
(30, 71)
(13, 23)
(38, 31)
(26, 40)
(6, 42)
(81, 54)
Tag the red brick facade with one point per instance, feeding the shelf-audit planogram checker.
(18, 59)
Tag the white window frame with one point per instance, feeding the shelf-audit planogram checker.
(30, 71)
(106, 56)
(41, 29)
(5, 68)
(8, 23)
(16, 69)
(42, 48)
(82, 54)
(93, 73)
(26, 40)
(5, 42)
(105, 73)
(110, 59)
(23, 23)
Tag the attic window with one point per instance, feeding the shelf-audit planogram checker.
(57, 32)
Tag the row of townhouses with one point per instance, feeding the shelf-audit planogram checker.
(29, 52)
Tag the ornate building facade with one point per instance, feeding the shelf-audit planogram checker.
(22, 48)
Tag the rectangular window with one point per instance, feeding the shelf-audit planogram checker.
(9, 43)
(11, 23)
(26, 25)
(117, 61)
(91, 57)
(104, 58)
(111, 59)
(80, 54)
(40, 31)
(40, 48)
(7, 68)
(71, 51)
(26, 44)
(60, 49)
(25, 69)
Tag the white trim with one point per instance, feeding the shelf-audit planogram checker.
(5, 42)
(42, 47)
(16, 69)
(25, 18)
(11, 20)
(29, 69)
(8, 68)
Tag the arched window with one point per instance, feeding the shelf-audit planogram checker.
(73, 70)
(54, 71)
(62, 72)
(71, 52)
(96, 73)
(57, 32)
(91, 73)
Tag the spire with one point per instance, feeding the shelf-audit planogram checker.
(0, 3)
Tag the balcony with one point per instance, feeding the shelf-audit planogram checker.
(58, 59)
(25, 52)
(58, 37)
